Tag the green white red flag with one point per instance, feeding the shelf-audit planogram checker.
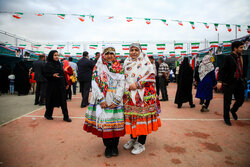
(194, 52)
(229, 29)
(39, 14)
(125, 47)
(160, 53)
(216, 26)
(75, 46)
(93, 46)
(92, 18)
(172, 53)
(160, 46)
(150, 54)
(48, 46)
(248, 29)
(206, 25)
(178, 45)
(164, 22)
(239, 27)
(81, 18)
(66, 54)
(60, 46)
(126, 54)
(195, 45)
(214, 44)
(17, 15)
(183, 53)
(180, 22)
(227, 43)
(35, 46)
(192, 24)
(22, 46)
(148, 21)
(78, 54)
(129, 19)
(61, 16)
(117, 54)
(144, 46)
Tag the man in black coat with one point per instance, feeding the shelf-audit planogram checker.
(41, 81)
(85, 68)
(232, 76)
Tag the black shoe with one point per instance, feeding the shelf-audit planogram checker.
(48, 117)
(115, 151)
(192, 106)
(82, 106)
(227, 121)
(36, 103)
(108, 152)
(67, 119)
(235, 116)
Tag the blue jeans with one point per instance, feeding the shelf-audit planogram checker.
(12, 87)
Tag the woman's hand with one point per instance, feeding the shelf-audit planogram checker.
(133, 86)
(103, 105)
(56, 75)
(67, 87)
(113, 105)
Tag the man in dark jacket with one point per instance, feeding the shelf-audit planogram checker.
(232, 77)
(41, 81)
(85, 68)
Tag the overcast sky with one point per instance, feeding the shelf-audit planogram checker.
(52, 29)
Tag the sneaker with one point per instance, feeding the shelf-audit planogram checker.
(138, 148)
(129, 144)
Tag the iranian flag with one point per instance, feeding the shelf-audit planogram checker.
(164, 21)
(81, 18)
(61, 57)
(117, 54)
(8, 44)
(93, 46)
(126, 54)
(160, 53)
(125, 47)
(148, 21)
(172, 53)
(92, 18)
(150, 54)
(178, 45)
(60, 46)
(239, 27)
(192, 24)
(248, 29)
(22, 46)
(129, 19)
(75, 46)
(61, 16)
(180, 23)
(67, 54)
(35, 46)
(229, 29)
(177, 56)
(227, 43)
(183, 53)
(39, 52)
(195, 45)
(78, 54)
(194, 52)
(216, 26)
(207, 26)
(160, 46)
(39, 14)
(17, 15)
(48, 46)
(214, 44)
(144, 46)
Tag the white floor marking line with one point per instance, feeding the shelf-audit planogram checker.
(163, 119)
(21, 116)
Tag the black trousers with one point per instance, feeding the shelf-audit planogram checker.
(50, 108)
(69, 93)
(157, 84)
(236, 88)
(111, 142)
(163, 87)
(85, 86)
(40, 92)
(141, 139)
(74, 87)
(206, 102)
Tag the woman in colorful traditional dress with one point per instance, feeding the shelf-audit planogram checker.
(105, 114)
(207, 82)
(141, 105)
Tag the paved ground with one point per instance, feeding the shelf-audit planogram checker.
(186, 138)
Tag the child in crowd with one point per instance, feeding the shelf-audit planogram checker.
(12, 82)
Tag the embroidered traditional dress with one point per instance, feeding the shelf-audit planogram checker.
(107, 85)
(141, 106)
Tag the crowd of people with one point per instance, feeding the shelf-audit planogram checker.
(125, 95)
